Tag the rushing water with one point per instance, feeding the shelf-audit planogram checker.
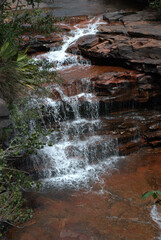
(60, 57)
(79, 152)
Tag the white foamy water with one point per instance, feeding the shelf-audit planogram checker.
(60, 57)
(80, 151)
(156, 217)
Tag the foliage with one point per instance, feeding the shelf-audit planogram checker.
(37, 21)
(9, 24)
(13, 182)
(155, 194)
(25, 139)
(20, 76)
(18, 3)
(155, 4)
(16, 71)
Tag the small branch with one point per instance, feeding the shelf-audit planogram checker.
(11, 224)
(16, 170)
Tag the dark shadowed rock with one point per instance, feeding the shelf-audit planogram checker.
(86, 42)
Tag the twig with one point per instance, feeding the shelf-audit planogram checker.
(13, 225)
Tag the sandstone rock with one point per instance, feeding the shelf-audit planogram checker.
(146, 15)
(129, 39)
(138, 53)
(124, 86)
(41, 43)
(86, 42)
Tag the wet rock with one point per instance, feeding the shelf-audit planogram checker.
(124, 86)
(64, 27)
(129, 148)
(41, 43)
(138, 53)
(117, 213)
(128, 39)
(145, 15)
(115, 16)
(154, 138)
(86, 41)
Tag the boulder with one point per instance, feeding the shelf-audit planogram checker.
(86, 42)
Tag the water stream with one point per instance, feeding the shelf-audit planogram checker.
(78, 152)
(60, 57)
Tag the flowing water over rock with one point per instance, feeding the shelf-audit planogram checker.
(101, 160)
(60, 57)
(79, 153)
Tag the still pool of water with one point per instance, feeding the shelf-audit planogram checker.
(86, 7)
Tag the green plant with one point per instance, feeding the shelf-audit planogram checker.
(38, 20)
(155, 194)
(16, 71)
(155, 4)
(24, 140)
(9, 23)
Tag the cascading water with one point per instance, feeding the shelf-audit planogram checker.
(60, 57)
(79, 151)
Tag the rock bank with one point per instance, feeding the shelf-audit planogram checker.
(128, 39)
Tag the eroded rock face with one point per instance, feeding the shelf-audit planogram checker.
(125, 86)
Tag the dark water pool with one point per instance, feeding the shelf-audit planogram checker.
(87, 7)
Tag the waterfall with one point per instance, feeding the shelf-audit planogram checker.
(80, 152)
(64, 60)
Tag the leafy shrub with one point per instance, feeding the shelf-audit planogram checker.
(155, 4)
(16, 71)
(24, 140)
(39, 20)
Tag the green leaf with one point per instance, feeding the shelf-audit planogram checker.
(159, 192)
(147, 194)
